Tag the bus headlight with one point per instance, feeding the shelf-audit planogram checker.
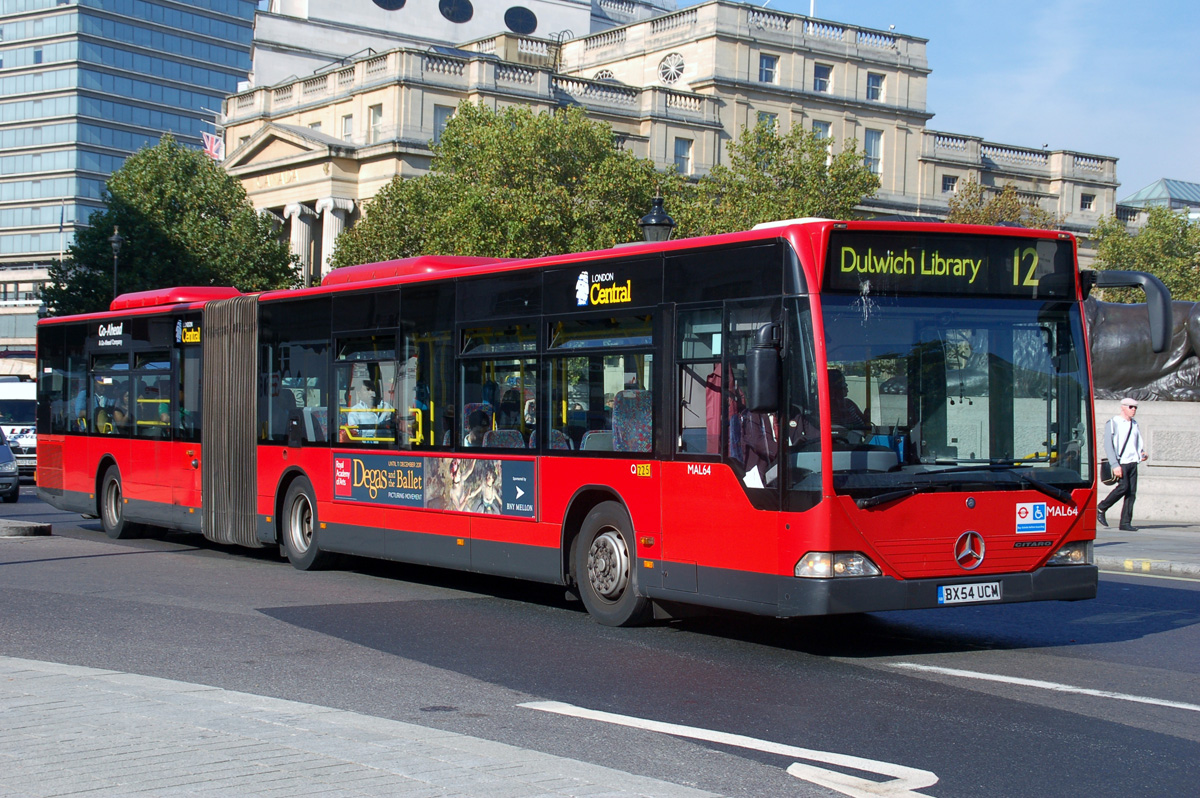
(827, 564)
(1077, 553)
(8, 468)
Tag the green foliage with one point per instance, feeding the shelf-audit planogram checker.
(185, 221)
(1168, 247)
(774, 176)
(971, 204)
(510, 183)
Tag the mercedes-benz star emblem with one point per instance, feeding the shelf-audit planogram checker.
(968, 550)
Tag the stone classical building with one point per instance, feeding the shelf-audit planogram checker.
(676, 88)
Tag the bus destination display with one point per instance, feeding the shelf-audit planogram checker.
(907, 263)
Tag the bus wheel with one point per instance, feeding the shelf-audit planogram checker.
(300, 528)
(112, 507)
(605, 570)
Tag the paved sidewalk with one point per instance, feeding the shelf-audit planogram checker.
(1158, 547)
(72, 731)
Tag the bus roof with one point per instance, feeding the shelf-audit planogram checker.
(173, 296)
(422, 264)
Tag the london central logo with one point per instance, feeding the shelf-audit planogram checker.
(581, 289)
(601, 289)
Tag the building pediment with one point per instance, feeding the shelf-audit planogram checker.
(276, 144)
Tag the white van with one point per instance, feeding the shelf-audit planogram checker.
(18, 408)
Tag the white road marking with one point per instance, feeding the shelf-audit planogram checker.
(904, 779)
(1060, 688)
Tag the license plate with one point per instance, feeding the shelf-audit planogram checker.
(961, 594)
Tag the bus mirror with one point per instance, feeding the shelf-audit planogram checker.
(1158, 301)
(762, 370)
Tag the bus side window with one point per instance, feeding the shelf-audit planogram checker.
(702, 384)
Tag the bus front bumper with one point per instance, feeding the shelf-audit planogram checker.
(801, 597)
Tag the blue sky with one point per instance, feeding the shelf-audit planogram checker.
(1097, 76)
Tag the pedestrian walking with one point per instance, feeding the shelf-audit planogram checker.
(1125, 447)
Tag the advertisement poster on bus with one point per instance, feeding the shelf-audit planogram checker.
(458, 484)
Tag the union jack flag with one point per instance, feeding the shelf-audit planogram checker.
(214, 146)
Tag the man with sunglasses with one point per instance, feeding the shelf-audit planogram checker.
(1125, 448)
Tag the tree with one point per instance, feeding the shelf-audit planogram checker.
(1168, 247)
(774, 176)
(511, 183)
(184, 220)
(972, 204)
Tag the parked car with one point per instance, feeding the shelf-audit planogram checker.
(10, 477)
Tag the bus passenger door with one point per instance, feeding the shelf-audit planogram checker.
(186, 454)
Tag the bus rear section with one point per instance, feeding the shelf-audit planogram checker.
(18, 408)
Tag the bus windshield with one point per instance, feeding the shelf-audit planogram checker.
(946, 393)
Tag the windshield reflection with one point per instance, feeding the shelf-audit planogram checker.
(938, 394)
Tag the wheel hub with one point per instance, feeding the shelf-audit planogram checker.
(608, 565)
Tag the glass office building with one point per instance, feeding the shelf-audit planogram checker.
(84, 83)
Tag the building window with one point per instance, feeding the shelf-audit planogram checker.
(768, 69)
(37, 55)
(683, 156)
(873, 150)
(769, 119)
(670, 69)
(949, 184)
(824, 132)
(348, 127)
(823, 78)
(441, 117)
(315, 126)
(1087, 202)
(874, 86)
(375, 114)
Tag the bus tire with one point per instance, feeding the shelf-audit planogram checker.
(300, 525)
(112, 507)
(605, 568)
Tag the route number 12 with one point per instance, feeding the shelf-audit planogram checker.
(1032, 255)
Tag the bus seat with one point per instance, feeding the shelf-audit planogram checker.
(597, 440)
(632, 421)
(558, 440)
(504, 439)
(314, 423)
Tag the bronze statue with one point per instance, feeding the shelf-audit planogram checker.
(1123, 363)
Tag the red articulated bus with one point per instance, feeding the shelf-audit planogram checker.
(811, 417)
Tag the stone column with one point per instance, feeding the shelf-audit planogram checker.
(334, 212)
(302, 218)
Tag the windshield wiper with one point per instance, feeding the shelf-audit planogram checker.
(1052, 491)
(1010, 466)
(896, 495)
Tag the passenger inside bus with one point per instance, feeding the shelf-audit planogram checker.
(843, 412)
(508, 416)
(362, 401)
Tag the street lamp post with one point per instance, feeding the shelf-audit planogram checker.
(116, 240)
(656, 225)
